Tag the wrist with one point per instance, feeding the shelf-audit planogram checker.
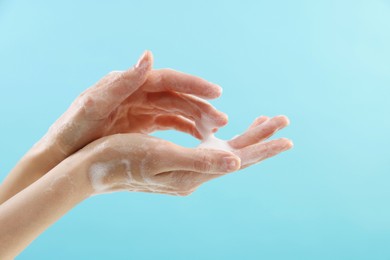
(76, 169)
(39, 160)
(46, 154)
(49, 144)
(106, 168)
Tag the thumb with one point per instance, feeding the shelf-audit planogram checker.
(131, 79)
(137, 75)
(202, 160)
(109, 92)
(117, 86)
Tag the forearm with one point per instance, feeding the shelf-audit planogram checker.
(39, 160)
(31, 211)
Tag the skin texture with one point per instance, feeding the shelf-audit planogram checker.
(138, 100)
(101, 145)
(137, 162)
(31, 211)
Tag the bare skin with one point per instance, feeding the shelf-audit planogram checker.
(101, 145)
(132, 162)
(139, 100)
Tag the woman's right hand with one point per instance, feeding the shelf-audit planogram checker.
(143, 163)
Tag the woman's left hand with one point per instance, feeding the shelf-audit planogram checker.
(139, 100)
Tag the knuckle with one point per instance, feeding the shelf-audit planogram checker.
(88, 101)
(92, 107)
(203, 163)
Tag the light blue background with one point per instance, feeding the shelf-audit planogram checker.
(325, 64)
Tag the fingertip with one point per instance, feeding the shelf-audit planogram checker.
(286, 143)
(223, 122)
(283, 119)
(220, 119)
(224, 119)
(214, 91)
(218, 90)
(145, 62)
(148, 52)
(149, 56)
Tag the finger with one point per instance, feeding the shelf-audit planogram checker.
(113, 89)
(179, 123)
(171, 80)
(260, 132)
(189, 107)
(199, 160)
(131, 79)
(258, 121)
(255, 153)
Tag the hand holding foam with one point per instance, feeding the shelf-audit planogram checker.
(250, 146)
(142, 163)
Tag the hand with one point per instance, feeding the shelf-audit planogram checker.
(251, 146)
(142, 163)
(139, 100)
(133, 162)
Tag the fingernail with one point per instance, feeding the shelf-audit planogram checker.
(231, 163)
(143, 62)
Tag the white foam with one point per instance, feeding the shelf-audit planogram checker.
(213, 142)
(98, 172)
(205, 127)
(101, 170)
